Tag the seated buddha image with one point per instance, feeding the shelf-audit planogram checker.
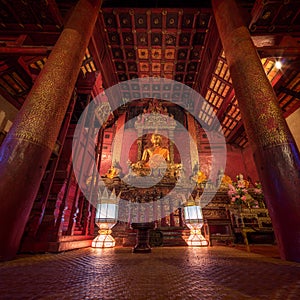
(156, 152)
(155, 162)
(201, 177)
(113, 171)
(223, 180)
(241, 182)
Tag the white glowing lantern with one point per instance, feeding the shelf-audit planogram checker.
(106, 218)
(194, 220)
(278, 65)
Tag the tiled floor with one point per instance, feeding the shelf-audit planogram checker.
(263, 249)
(166, 273)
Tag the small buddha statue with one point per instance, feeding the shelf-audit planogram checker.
(223, 180)
(112, 172)
(241, 182)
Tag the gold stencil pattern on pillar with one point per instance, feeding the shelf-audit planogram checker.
(48, 101)
(265, 125)
(268, 126)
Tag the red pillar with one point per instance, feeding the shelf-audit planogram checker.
(193, 141)
(27, 148)
(118, 142)
(275, 151)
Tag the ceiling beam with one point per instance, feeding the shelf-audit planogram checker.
(278, 51)
(289, 92)
(13, 12)
(213, 49)
(10, 98)
(26, 50)
(221, 112)
(238, 129)
(55, 13)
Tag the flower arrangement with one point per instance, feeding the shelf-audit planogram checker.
(258, 188)
(258, 192)
(238, 191)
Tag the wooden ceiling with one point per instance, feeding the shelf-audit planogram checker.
(164, 43)
(158, 39)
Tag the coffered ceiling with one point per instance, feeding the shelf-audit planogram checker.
(156, 42)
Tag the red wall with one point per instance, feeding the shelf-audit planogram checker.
(250, 166)
(129, 148)
(241, 161)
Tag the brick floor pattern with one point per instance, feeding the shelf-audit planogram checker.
(166, 273)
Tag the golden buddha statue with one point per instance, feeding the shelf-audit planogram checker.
(112, 172)
(152, 157)
(156, 149)
(241, 182)
(200, 177)
(223, 180)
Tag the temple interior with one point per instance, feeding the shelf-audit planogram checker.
(149, 150)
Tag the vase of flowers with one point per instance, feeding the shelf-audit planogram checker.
(259, 195)
(238, 192)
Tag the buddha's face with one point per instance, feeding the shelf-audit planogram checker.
(156, 139)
